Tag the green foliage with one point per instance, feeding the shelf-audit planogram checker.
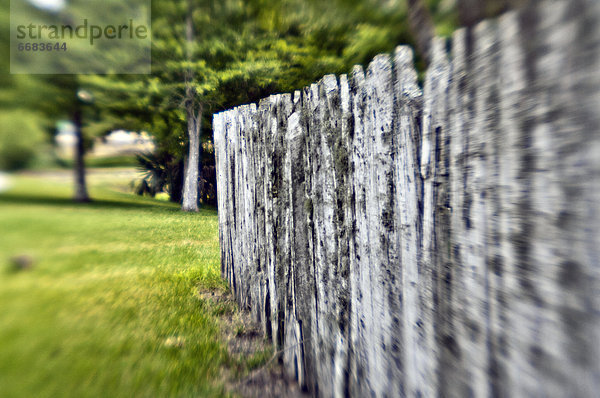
(161, 172)
(241, 52)
(21, 136)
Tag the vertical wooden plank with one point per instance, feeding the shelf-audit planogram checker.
(310, 107)
(477, 303)
(279, 111)
(384, 333)
(408, 104)
(329, 205)
(252, 184)
(270, 133)
(434, 184)
(258, 214)
(283, 221)
(243, 209)
(324, 237)
(300, 293)
(265, 213)
(220, 140)
(237, 264)
(341, 141)
(547, 250)
(360, 289)
(453, 378)
(241, 219)
(512, 83)
(489, 110)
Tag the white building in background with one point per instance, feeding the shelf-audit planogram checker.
(118, 142)
(121, 142)
(5, 182)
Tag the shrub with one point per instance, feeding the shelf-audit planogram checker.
(161, 172)
(21, 139)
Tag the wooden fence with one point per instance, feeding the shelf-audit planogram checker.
(444, 241)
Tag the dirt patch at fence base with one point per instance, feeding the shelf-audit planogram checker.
(244, 339)
(269, 382)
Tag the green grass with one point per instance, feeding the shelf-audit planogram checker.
(102, 162)
(110, 307)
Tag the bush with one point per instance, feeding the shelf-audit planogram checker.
(21, 139)
(161, 172)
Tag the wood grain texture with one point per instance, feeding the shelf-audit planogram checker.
(444, 241)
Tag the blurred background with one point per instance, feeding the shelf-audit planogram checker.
(239, 52)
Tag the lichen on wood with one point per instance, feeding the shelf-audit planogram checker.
(399, 241)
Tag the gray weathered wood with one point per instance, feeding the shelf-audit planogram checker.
(408, 188)
(444, 242)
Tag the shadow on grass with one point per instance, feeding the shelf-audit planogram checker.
(42, 200)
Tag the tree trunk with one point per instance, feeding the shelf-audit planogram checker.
(471, 12)
(421, 26)
(81, 194)
(190, 184)
(193, 111)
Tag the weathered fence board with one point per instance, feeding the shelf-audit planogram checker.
(395, 241)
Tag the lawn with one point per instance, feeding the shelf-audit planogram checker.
(111, 305)
(104, 161)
